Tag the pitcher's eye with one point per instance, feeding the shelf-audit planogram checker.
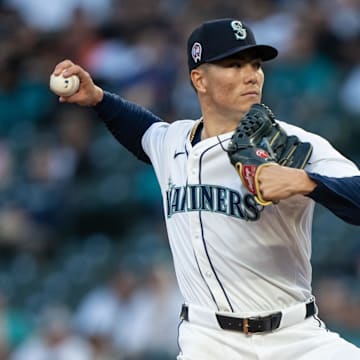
(235, 63)
(257, 64)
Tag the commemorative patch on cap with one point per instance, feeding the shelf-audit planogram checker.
(196, 52)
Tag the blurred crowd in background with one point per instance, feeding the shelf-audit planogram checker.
(85, 269)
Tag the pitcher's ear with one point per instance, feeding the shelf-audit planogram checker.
(198, 79)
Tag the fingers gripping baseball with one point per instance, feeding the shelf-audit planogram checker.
(86, 94)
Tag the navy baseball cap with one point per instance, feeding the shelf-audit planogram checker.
(218, 39)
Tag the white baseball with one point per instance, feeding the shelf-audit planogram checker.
(64, 86)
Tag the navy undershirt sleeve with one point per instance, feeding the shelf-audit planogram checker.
(340, 195)
(127, 121)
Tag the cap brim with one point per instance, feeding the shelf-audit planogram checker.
(264, 52)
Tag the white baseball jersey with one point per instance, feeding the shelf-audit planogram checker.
(231, 254)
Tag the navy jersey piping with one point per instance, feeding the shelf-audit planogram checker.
(202, 233)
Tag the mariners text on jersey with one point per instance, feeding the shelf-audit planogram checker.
(211, 198)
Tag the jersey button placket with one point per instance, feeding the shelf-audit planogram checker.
(208, 274)
(193, 167)
(199, 244)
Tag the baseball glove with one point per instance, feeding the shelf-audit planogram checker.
(260, 141)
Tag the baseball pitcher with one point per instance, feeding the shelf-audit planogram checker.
(239, 189)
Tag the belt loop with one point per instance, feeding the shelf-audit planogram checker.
(310, 309)
(184, 315)
(275, 320)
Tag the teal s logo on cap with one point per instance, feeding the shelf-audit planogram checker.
(239, 30)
